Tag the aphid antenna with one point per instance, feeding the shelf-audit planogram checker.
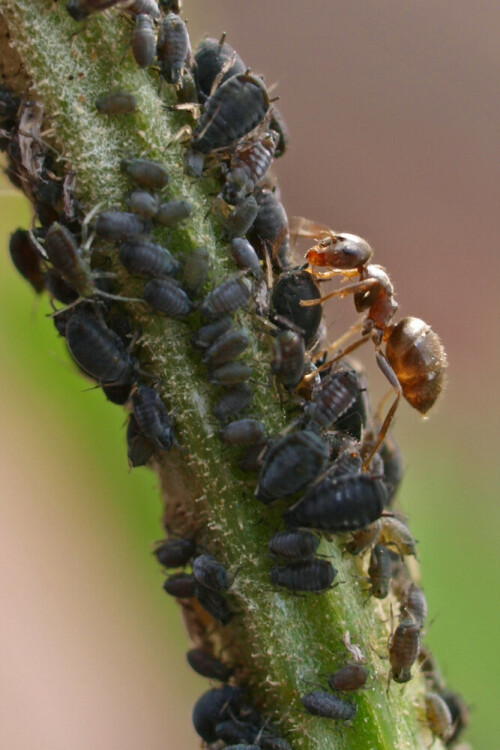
(185, 131)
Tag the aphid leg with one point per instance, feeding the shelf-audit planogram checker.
(222, 72)
(393, 380)
(86, 238)
(360, 286)
(185, 132)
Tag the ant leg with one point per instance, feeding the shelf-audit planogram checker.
(391, 376)
(325, 275)
(355, 345)
(361, 286)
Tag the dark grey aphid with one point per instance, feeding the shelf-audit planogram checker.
(243, 432)
(207, 665)
(174, 5)
(249, 163)
(144, 40)
(196, 270)
(194, 163)
(278, 124)
(117, 393)
(290, 289)
(140, 449)
(336, 394)
(231, 294)
(328, 706)
(152, 417)
(168, 297)
(118, 226)
(143, 203)
(414, 605)
(232, 402)
(64, 254)
(59, 289)
(270, 231)
(291, 464)
(245, 257)
(294, 546)
(379, 571)
(206, 335)
(149, 7)
(211, 56)
(180, 585)
(393, 466)
(79, 10)
(241, 218)
(403, 649)
(349, 677)
(210, 573)
(116, 103)
(171, 213)
(98, 350)
(214, 603)
(271, 743)
(231, 730)
(175, 553)
(288, 359)
(230, 374)
(147, 259)
(145, 173)
(235, 108)
(343, 504)
(251, 458)
(174, 49)
(215, 706)
(308, 575)
(226, 348)
(26, 259)
(353, 421)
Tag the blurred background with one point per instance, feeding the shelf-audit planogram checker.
(394, 118)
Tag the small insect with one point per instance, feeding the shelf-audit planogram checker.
(291, 464)
(196, 270)
(175, 553)
(438, 716)
(80, 10)
(278, 125)
(117, 393)
(171, 213)
(245, 257)
(346, 503)
(349, 677)
(214, 706)
(63, 252)
(116, 103)
(393, 466)
(214, 603)
(167, 296)
(226, 347)
(26, 259)
(9, 104)
(143, 203)
(251, 458)
(139, 7)
(379, 571)
(364, 538)
(210, 573)
(288, 361)
(328, 706)
(243, 432)
(140, 449)
(334, 396)
(215, 59)
(206, 335)
(404, 646)
(294, 546)
(307, 575)
(174, 49)
(232, 402)
(59, 289)
(144, 40)
(145, 172)
(207, 665)
(118, 226)
(414, 605)
(231, 731)
(249, 163)
(396, 533)
(231, 294)
(459, 713)
(152, 417)
(235, 108)
(147, 259)
(291, 288)
(241, 218)
(232, 373)
(270, 230)
(180, 585)
(174, 5)
(98, 350)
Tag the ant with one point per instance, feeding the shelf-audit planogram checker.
(414, 360)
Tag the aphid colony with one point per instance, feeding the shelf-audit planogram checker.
(334, 470)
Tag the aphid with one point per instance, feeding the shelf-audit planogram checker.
(226, 347)
(233, 401)
(287, 364)
(207, 665)
(98, 350)
(278, 124)
(291, 288)
(175, 553)
(243, 432)
(294, 546)
(364, 538)
(249, 163)
(308, 575)
(215, 706)
(241, 218)
(230, 374)
(397, 534)
(63, 252)
(245, 257)
(26, 259)
(251, 458)
(459, 713)
(206, 335)
(79, 10)
(9, 104)
(270, 231)
(147, 259)
(438, 716)
(211, 57)
(59, 289)
(349, 677)
(174, 5)
(346, 503)
(180, 585)
(231, 294)
(167, 296)
(348, 461)
(140, 449)
(144, 40)
(116, 103)
(145, 173)
(148, 7)
(393, 466)
(210, 573)
(403, 649)
(143, 203)
(291, 464)
(118, 226)
(196, 270)
(171, 213)
(235, 108)
(152, 417)
(117, 393)
(231, 731)
(336, 394)
(414, 605)
(379, 571)
(174, 49)
(328, 706)
(214, 603)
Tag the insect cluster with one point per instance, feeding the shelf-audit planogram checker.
(334, 470)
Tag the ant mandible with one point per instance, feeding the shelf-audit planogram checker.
(414, 361)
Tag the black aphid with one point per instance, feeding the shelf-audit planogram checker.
(349, 677)
(245, 256)
(294, 546)
(144, 40)
(210, 573)
(196, 270)
(118, 226)
(233, 401)
(207, 665)
(290, 289)
(171, 213)
(180, 585)
(175, 553)
(147, 259)
(243, 432)
(231, 294)
(226, 347)
(145, 173)
(140, 449)
(215, 706)
(152, 417)
(214, 603)
(207, 334)
(288, 359)
(379, 571)
(211, 56)
(270, 231)
(98, 350)
(167, 296)
(116, 103)
(328, 706)
(27, 259)
(241, 218)
(174, 49)
(308, 575)
(337, 392)
(143, 203)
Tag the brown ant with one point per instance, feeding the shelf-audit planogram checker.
(414, 360)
